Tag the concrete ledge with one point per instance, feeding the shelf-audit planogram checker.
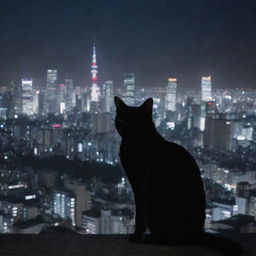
(94, 245)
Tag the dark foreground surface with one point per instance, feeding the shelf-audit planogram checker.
(114, 245)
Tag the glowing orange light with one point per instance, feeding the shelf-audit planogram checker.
(172, 79)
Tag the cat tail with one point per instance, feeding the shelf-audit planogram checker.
(225, 245)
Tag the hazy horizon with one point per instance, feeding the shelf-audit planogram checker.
(153, 40)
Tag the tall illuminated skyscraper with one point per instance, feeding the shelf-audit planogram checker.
(95, 90)
(70, 95)
(61, 91)
(29, 97)
(129, 89)
(63, 205)
(108, 95)
(51, 102)
(171, 94)
(206, 88)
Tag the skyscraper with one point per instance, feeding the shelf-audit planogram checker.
(171, 94)
(206, 88)
(63, 205)
(61, 91)
(108, 95)
(129, 89)
(82, 196)
(70, 95)
(29, 103)
(218, 133)
(95, 90)
(51, 102)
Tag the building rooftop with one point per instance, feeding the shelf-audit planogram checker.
(224, 201)
(28, 223)
(237, 221)
(97, 245)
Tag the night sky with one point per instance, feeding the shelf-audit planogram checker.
(153, 39)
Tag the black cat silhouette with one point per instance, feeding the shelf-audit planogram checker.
(166, 181)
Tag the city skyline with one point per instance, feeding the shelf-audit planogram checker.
(59, 161)
(43, 139)
(179, 39)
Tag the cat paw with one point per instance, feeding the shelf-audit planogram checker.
(134, 238)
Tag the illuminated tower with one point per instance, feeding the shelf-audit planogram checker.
(128, 95)
(51, 102)
(171, 93)
(64, 205)
(70, 95)
(206, 88)
(29, 97)
(95, 90)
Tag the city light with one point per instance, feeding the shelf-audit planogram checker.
(60, 149)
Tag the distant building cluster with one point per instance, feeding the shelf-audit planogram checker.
(60, 119)
(108, 222)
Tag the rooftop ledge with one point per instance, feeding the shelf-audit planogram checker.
(95, 245)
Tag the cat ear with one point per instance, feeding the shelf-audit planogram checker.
(148, 105)
(119, 103)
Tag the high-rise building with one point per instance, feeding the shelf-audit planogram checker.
(64, 205)
(15, 105)
(107, 221)
(206, 88)
(85, 98)
(70, 97)
(83, 199)
(3, 106)
(101, 123)
(171, 94)
(95, 90)
(6, 223)
(218, 133)
(194, 117)
(61, 93)
(108, 94)
(128, 95)
(12, 207)
(8, 102)
(51, 100)
(91, 222)
(42, 101)
(29, 97)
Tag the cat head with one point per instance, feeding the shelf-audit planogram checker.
(133, 120)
